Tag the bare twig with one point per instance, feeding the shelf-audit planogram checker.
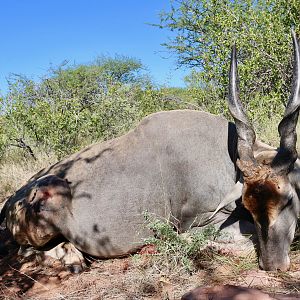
(23, 145)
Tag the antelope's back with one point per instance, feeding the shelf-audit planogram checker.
(176, 162)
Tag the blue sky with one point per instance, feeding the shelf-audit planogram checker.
(35, 34)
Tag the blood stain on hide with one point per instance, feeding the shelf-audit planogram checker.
(46, 194)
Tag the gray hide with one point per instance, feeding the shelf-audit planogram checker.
(176, 164)
(179, 165)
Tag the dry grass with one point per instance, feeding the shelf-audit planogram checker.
(268, 132)
(141, 276)
(16, 168)
(136, 277)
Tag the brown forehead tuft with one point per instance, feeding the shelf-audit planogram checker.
(262, 199)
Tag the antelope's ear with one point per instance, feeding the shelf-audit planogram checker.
(234, 194)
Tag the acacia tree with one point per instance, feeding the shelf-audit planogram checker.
(71, 106)
(205, 30)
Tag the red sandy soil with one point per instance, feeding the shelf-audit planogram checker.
(130, 278)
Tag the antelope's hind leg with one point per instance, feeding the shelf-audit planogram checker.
(35, 218)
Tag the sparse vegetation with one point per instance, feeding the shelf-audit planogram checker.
(205, 30)
(75, 105)
(18, 166)
(175, 251)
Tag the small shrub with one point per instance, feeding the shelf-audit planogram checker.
(178, 251)
(76, 106)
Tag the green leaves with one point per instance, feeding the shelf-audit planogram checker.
(76, 105)
(205, 30)
(178, 251)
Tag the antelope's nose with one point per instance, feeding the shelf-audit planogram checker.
(275, 265)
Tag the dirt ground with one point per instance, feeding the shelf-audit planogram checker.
(135, 277)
